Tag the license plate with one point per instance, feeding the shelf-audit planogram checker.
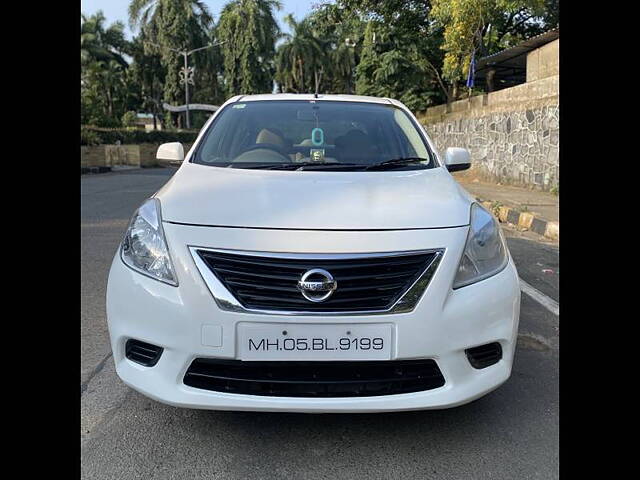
(299, 342)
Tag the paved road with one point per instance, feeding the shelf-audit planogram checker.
(510, 433)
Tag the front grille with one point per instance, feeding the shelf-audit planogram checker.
(484, 355)
(142, 353)
(364, 283)
(314, 379)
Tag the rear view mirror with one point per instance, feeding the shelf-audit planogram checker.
(457, 159)
(172, 152)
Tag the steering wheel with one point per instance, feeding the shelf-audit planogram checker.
(267, 146)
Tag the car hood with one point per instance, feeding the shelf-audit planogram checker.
(312, 200)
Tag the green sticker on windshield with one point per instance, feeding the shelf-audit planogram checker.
(240, 105)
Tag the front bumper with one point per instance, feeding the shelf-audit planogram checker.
(444, 323)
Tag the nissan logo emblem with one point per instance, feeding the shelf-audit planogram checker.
(317, 285)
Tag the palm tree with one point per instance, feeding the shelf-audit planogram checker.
(102, 79)
(343, 61)
(148, 15)
(98, 43)
(301, 58)
(169, 25)
(112, 76)
(88, 43)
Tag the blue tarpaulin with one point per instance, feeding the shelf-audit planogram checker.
(472, 70)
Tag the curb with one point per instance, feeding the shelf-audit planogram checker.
(524, 220)
(86, 170)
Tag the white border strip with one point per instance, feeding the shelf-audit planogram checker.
(547, 302)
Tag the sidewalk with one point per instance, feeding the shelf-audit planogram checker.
(528, 209)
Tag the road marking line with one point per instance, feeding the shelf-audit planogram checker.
(547, 302)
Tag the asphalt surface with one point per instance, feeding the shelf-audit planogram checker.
(510, 433)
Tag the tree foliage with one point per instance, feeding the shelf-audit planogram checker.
(148, 76)
(249, 32)
(99, 43)
(104, 80)
(407, 17)
(391, 67)
(400, 55)
(417, 51)
(170, 25)
(342, 34)
(301, 59)
(483, 26)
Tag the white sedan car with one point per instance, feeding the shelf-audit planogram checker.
(313, 254)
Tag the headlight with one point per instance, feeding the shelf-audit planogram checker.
(485, 253)
(144, 247)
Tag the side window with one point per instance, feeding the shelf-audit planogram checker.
(223, 131)
(212, 151)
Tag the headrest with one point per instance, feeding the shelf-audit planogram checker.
(270, 136)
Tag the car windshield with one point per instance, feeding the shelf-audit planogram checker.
(309, 134)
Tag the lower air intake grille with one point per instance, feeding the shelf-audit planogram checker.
(142, 353)
(484, 355)
(314, 379)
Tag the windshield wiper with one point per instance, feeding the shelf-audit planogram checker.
(329, 166)
(299, 166)
(396, 162)
(267, 166)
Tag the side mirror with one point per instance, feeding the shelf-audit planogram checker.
(457, 159)
(171, 152)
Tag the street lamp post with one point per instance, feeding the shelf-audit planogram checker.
(187, 72)
(187, 78)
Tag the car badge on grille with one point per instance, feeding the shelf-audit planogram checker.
(317, 285)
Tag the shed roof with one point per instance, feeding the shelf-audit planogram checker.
(511, 63)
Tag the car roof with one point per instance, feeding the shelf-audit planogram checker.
(311, 96)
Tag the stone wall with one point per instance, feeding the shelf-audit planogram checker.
(513, 134)
(92, 156)
(122, 155)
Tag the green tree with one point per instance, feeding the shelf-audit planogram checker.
(209, 87)
(402, 41)
(249, 31)
(99, 43)
(483, 26)
(410, 17)
(342, 34)
(129, 119)
(102, 93)
(393, 66)
(454, 29)
(169, 25)
(301, 58)
(148, 78)
(104, 85)
(343, 60)
(321, 52)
